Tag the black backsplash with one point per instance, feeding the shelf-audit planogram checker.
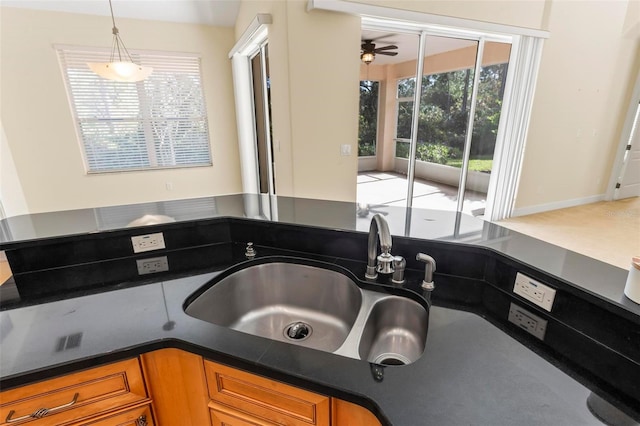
(596, 338)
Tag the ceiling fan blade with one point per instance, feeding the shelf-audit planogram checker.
(386, 48)
(387, 53)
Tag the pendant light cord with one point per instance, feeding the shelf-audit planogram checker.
(117, 41)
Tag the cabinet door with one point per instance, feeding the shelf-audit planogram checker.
(344, 413)
(140, 416)
(177, 386)
(264, 398)
(68, 399)
(224, 416)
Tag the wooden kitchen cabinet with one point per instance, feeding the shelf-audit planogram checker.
(139, 416)
(76, 397)
(183, 389)
(177, 386)
(269, 401)
(344, 413)
(226, 416)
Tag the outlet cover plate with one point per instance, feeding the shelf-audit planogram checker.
(148, 242)
(534, 291)
(528, 321)
(152, 265)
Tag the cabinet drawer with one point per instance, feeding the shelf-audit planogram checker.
(265, 399)
(139, 416)
(74, 397)
(224, 416)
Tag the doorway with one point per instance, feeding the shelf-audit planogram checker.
(436, 135)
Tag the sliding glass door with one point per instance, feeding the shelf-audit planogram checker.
(444, 122)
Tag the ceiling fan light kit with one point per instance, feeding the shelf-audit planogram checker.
(368, 51)
(119, 69)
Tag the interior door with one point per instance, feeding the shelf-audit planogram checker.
(262, 107)
(628, 184)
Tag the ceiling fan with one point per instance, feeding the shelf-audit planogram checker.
(369, 51)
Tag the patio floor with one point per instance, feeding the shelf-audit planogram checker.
(389, 188)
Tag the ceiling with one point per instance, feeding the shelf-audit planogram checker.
(408, 45)
(224, 13)
(208, 12)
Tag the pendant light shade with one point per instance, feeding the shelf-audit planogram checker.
(120, 71)
(120, 66)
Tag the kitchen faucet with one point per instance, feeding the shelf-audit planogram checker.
(429, 268)
(386, 262)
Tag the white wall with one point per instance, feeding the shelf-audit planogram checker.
(40, 131)
(11, 195)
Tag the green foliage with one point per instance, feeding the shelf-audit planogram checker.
(444, 110)
(477, 164)
(436, 153)
(368, 123)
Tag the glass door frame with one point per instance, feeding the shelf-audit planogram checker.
(524, 62)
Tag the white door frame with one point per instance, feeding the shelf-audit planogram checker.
(619, 164)
(245, 48)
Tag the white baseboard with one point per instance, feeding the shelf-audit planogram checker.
(557, 205)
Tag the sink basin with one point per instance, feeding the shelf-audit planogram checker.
(315, 305)
(267, 299)
(395, 332)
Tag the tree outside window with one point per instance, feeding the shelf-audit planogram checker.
(444, 110)
(368, 123)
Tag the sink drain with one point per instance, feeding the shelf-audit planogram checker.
(298, 331)
(391, 359)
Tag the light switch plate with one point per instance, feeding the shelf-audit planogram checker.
(534, 291)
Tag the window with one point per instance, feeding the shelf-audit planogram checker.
(368, 127)
(404, 96)
(444, 109)
(160, 122)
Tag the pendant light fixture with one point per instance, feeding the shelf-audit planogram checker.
(120, 66)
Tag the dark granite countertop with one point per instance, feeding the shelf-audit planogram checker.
(477, 369)
(471, 373)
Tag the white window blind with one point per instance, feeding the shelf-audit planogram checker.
(156, 123)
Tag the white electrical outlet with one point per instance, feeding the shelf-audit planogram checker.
(142, 243)
(534, 291)
(152, 265)
(524, 319)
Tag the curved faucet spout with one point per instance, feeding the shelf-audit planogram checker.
(378, 230)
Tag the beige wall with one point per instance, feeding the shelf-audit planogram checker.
(40, 131)
(580, 103)
(11, 195)
(314, 97)
(585, 78)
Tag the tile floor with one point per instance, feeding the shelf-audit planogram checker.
(391, 189)
(608, 230)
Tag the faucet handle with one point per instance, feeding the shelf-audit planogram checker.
(385, 263)
(399, 265)
(429, 269)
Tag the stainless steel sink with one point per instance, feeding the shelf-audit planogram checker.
(268, 299)
(312, 305)
(395, 332)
